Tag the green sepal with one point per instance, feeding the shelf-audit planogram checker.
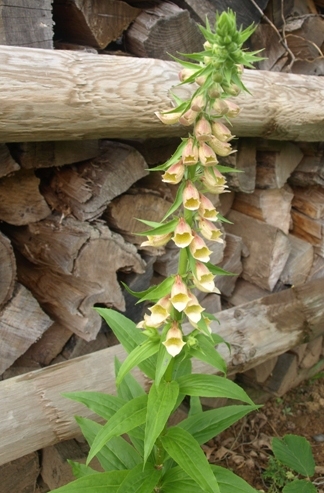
(131, 415)
(137, 356)
(160, 404)
(212, 386)
(186, 452)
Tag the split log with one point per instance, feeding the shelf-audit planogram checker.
(70, 266)
(85, 96)
(162, 30)
(317, 270)
(85, 189)
(31, 155)
(245, 161)
(232, 263)
(92, 23)
(256, 331)
(265, 38)
(20, 200)
(22, 322)
(271, 206)
(7, 269)
(278, 11)
(245, 292)
(305, 36)
(299, 262)
(308, 229)
(25, 24)
(310, 171)
(21, 474)
(275, 163)
(268, 246)
(309, 201)
(7, 163)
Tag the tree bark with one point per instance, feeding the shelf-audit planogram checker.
(64, 95)
(256, 331)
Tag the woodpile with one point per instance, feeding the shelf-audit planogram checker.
(77, 136)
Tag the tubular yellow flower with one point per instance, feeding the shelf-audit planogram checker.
(221, 148)
(207, 209)
(174, 174)
(191, 197)
(157, 240)
(221, 132)
(168, 118)
(179, 294)
(204, 279)
(188, 118)
(160, 312)
(174, 342)
(193, 310)
(199, 249)
(182, 234)
(148, 322)
(207, 156)
(214, 181)
(190, 153)
(203, 130)
(209, 230)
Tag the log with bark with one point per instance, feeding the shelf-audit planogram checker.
(65, 95)
(256, 331)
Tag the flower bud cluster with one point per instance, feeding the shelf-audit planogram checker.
(196, 167)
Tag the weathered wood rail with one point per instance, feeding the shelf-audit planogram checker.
(35, 414)
(64, 95)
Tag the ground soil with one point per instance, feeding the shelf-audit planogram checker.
(245, 448)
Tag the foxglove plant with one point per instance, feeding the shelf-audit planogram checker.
(137, 448)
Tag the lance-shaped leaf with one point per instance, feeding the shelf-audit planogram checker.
(166, 284)
(95, 483)
(175, 156)
(137, 356)
(104, 405)
(186, 452)
(140, 481)
(161, 230)
(131, 415)
(205, 351)
(80, 470)
(294, 452)
(175, 480)
(212, 386)
(129, 387)
(160, 404)
(117, 454)
(228, 169)
(229, 482)
(162, 363)
(208, 424)
(159, 291)
(177, 202)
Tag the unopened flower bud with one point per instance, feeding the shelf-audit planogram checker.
(190, 197)
(182, 234)
(214, 91)
(207, 209)
(200, 80)
(174, 174)
(207, 45)
(220, 107)
(221, 132)
(188, 118)
(233, 90)
(157, 240)
(168, 118)
(185, 73)
(203, 130)
(233, 109)
(199, 249)
(174, 342)
(179, 294)
(207, 156)
(198, 103)
(190, 155)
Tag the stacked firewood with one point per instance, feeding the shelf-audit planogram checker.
(68, 232)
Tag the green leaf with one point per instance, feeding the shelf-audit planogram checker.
(209, 424)
(131, 415)
(104, 405)
(224, 220)
(206, 352)
(175, 156)
(177, 481)
(195, 406)
(129, 387)
(177, 202)
(136, 357)
(184, 450)
(139, 481)
(299, 486)
(161, 230)
(162, 363)
(229, 482)
(212, 386)
(95, 483)
(159, 291)
(81, 470)
(218, 271)
(294, 452)
(128, 335)
(228, 169)
(117, 454)
(160, 404)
